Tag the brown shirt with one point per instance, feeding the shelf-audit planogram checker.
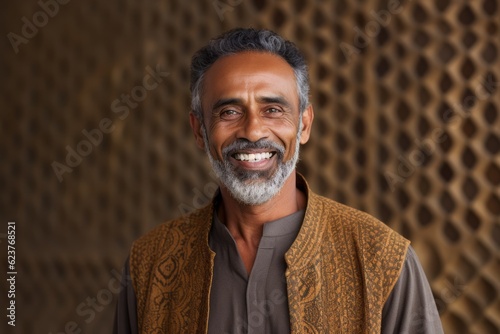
(255, 303)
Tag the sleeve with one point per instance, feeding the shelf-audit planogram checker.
(410, 307)
(126, 311)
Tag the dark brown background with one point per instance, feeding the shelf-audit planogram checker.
(373, 110)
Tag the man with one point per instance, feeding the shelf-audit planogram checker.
(267, 255)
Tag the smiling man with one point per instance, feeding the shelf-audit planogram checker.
(267, 255)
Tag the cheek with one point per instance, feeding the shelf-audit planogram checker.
(289, 144)
(287, 136)
(217, 141)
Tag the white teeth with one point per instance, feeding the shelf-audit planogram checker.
(253, 157)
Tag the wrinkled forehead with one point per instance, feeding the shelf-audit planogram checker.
(247, 71)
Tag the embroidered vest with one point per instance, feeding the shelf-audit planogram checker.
(341, 270)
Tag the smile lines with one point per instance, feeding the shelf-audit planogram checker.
(253, 157)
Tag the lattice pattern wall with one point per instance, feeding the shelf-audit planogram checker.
(406, 98)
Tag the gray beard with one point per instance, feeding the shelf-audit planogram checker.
(253, 187)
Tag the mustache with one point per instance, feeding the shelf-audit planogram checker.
(261, 144)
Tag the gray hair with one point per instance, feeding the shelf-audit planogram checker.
(240, 40)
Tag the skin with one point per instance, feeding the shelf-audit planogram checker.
(253, 95)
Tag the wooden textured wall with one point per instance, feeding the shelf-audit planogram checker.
(96, 147)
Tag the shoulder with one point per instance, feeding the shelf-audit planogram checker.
(375, 243)
(375, 247)
(171, 234)
(352, 221)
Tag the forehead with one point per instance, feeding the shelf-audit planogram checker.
(251, 60)
(249, 72)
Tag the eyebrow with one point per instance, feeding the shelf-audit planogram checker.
(225, 102)
(274, 99)
(261, 99)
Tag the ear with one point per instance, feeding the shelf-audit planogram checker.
(307, 120)
(196, 127)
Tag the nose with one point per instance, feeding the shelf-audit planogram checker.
(252, 127)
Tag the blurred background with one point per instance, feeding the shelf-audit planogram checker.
(96, 147)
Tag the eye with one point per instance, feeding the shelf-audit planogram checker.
(229, 114)
(274, 112)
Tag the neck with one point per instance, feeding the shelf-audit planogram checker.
(247, 221)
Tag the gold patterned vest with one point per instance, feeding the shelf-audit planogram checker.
(341, 270)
